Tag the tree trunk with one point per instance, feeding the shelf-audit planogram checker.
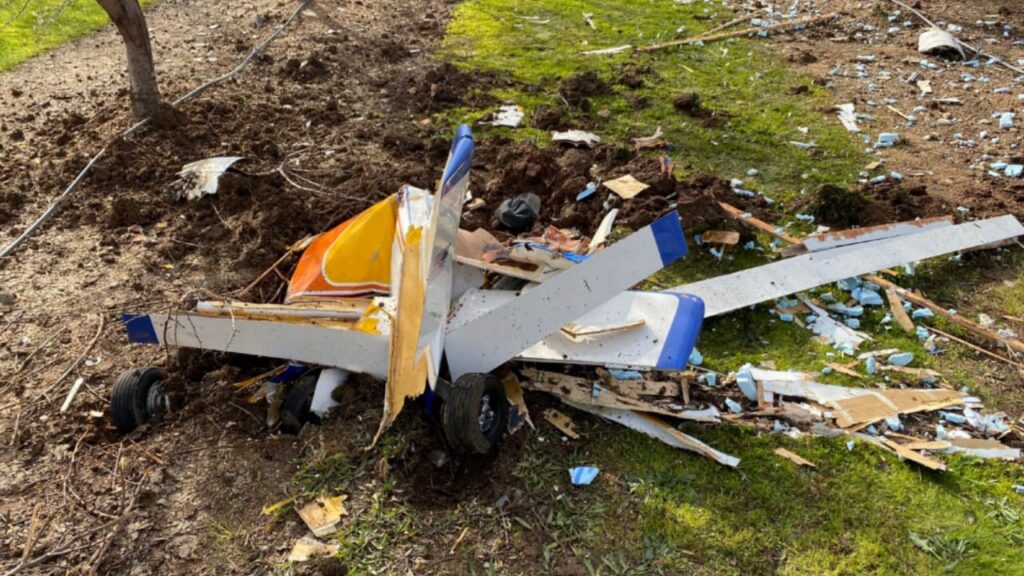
(131, 24)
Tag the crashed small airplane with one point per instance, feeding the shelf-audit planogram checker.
(383, 294)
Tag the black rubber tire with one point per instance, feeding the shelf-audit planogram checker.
(461, 417)
(295, 409)
(129, 401)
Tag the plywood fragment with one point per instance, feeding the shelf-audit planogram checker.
(323, 514)
(562, 422)
(308, 547)
(883, 404)
(582, 391)
(626, 187)
(795, 458)
(728, 237)
(514, 392)
(898, 313)
(407, 374)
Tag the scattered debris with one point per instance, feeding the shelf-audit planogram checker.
(653, 141)
(508, 115)
(202, 178)
(562, 422)
(612, 50)
(309, 547)
(626, 186)
(583, 475)
(939, 42)
(323, 514)
(795, 458)
(576, 138)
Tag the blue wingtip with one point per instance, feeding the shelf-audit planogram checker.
(460, 158)
(682, 335)
(668, 235)
(140, 328)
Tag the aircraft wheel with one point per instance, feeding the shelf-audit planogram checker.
(475, 413)
(137, 397)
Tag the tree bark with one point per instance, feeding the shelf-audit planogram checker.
(131, 24)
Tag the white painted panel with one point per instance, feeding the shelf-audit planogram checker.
(499, 334)
(346, 349)
(734, 291)
(634, 348)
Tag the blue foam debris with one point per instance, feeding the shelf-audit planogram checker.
(587, 192)
(1014, 170)
(901, 359)
(696, 358)
(827, 297)
(746, 384)
(870, 365)
(786, 317)
(922, 333)
(852, 323)
(867, 297)
(777, 426)
(850, 445)
(887, 319)
(887, 140)
(583, 475)
(894, 423)
(709, 378)
(826, 370)
(872, 430)
(953, 417)
(733, 406)
(922, 313)
(625, 374)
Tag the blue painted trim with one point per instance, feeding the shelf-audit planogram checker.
(668, 235)
(140, 328)
(292, 371)
(460, 159)
(682, 335)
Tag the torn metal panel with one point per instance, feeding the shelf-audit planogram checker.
(655, 428)
(840, 238)
(748, 287)
(671, 325)
(302, 342)
(496, 336)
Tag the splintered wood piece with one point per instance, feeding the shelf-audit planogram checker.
(562, 422)
(794, 458)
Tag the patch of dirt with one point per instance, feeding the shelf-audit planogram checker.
(871, 204)
(578, 90)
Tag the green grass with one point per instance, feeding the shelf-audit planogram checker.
(656, 509)
(741, 79)
(28, 28)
